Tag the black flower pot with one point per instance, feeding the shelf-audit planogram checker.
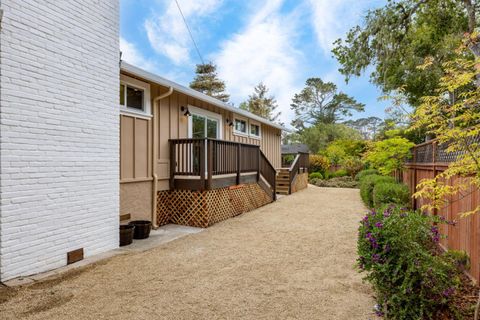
(142, 229)
(126, 234)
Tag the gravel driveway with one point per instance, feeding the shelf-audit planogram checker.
(293, 259)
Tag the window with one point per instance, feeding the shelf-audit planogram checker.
(131, 97)
(204, 124)
(134, 96)
(254, 130)
(241, 126)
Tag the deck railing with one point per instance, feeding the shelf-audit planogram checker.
(196, 162)
(299, 165)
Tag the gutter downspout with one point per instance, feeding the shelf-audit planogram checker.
(154, 155)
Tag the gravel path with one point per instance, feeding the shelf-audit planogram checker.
(293, 259)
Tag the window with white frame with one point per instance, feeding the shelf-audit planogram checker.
(240, 126)
(255, 130)
(134, 96)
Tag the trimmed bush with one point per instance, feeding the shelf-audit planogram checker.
(339, 173)
(397, 251)
(390, 193)
(368, 183)
(340, 182)
(315, 175)
(364, 173)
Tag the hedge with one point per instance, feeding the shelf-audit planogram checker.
(368, 183)
(390, 193)
(364, 173)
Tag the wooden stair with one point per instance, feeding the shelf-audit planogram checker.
(283, 181)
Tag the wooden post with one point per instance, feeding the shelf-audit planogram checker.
(173, 163)
(414, 178)
(434, 167)
(202, 164)
(209, 164)
(238, 163)
(258, 164)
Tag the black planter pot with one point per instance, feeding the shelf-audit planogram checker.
(126, 234)
(142, 229)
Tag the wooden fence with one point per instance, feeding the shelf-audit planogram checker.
(427, 161)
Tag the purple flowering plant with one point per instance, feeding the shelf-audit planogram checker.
(397, 253)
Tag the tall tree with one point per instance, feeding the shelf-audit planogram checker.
(206, 81)
(321, 102)
(398, 37)
(319, 136)
(262, 104)
(368, 127)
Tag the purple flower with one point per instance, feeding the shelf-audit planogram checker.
(386, 248)
(448, 292)
(435, 233)
(373, 212)
(379, 225)
(376, 257)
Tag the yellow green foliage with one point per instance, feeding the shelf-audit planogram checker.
(319, 163)
(389, 155)
(453, 117)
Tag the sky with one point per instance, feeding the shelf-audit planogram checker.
(278, 42)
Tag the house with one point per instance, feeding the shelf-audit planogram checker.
(178, 145)
(86, 139)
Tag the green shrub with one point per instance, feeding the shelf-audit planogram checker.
(315, 175)
(339, 182)
(390, 193)
(397, 252)
(339, 173)
(364, 173)
(352, 165)
(318, 163)
(368, 183)
(459, 258)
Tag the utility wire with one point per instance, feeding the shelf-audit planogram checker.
(190, 32)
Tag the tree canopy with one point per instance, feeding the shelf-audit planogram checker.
(321, 103)
(396, 38)
(262, 104)
(206, 81)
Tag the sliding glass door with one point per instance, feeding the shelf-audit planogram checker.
(203, 126)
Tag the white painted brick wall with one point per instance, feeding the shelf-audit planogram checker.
(59, 132)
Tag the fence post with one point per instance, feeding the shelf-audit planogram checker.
(239, 165)
(434, 167)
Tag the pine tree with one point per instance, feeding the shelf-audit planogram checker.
(207, 82)
(261, 104)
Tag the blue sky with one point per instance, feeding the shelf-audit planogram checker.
(279, 42)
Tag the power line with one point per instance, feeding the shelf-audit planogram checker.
(190, 32)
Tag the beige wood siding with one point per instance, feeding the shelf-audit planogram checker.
(135, 148)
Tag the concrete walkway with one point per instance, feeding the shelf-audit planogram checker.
(293, 259)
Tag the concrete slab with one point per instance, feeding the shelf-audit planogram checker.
(160, 236)
(157, 237)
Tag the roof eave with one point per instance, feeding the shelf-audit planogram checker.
(193, 93)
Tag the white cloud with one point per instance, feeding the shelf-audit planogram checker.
(332, 19)
(132, 55)
(167, 32)
(263, 51)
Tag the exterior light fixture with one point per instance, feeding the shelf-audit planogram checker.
(229, 122)
(185, 111)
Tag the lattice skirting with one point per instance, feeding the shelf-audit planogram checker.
(204, 208)
(300, 182)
